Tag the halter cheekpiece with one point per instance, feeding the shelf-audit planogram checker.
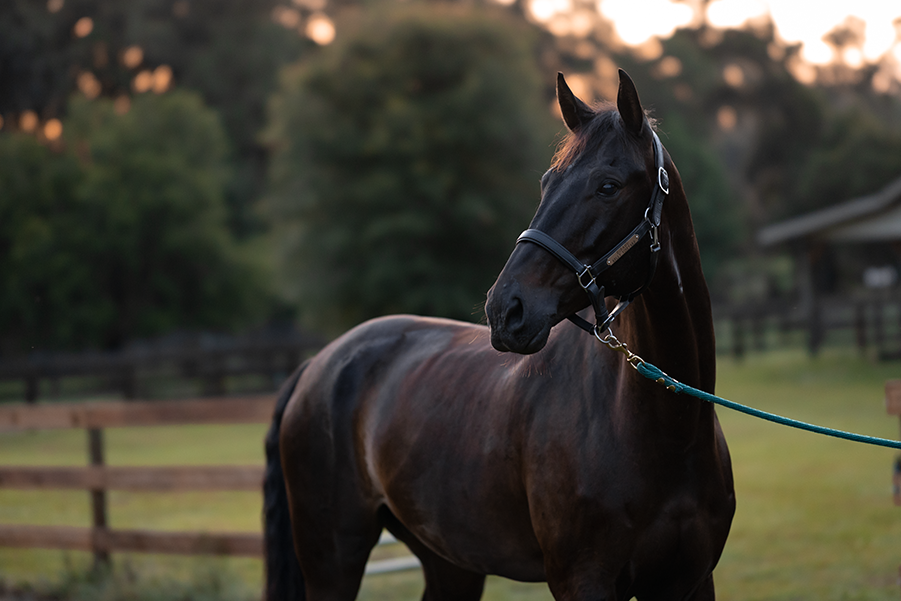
(587, 275)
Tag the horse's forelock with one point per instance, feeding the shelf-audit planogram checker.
(589, 135)
(575, 143)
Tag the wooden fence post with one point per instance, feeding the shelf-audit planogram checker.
(816, 331)
(214, 381)
(738, 337)
(129, 380)
(860, 326)
(758, 331)
(98, 498)
(878, 328)
(31, 387)
(93, 417)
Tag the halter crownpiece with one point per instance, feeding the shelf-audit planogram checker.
(587, 275)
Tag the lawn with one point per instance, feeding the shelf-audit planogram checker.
(815, 517)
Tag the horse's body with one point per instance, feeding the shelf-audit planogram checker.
(561, 465)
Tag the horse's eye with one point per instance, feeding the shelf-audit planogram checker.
(608, 189)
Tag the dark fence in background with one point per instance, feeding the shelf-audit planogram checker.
(97, 478)
(206, 360)
(207, 363)
(870, 323)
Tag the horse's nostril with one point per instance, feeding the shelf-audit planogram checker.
(515, 314)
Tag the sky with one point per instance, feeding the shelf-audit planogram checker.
(877, 23)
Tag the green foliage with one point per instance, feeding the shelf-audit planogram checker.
(406, 163)
(229, 51)
(421, 140)
(789, 150)
(129, 239)
(716, 210)
(36, 195)
(857, 155)
(792, 118)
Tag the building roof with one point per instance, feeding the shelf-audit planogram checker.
(871, 218)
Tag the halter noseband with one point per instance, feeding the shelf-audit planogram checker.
(587, 275)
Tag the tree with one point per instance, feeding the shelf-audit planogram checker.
(683, 89)
(37, 277)
(717, 211)
(406, 163)
(229, 51)
(124, 234)
(856, 155)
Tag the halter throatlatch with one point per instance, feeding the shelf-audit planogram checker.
(587, 275)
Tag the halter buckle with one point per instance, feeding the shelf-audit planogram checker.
(655, 241)
(604, 326)
(582, 273)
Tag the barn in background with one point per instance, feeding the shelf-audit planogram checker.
(847, 262)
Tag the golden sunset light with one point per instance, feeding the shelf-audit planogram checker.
(636, 22)
(869, 30)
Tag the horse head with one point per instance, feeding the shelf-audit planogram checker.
(596, 191)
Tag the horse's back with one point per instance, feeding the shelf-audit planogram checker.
(375, 358)
(365, 366)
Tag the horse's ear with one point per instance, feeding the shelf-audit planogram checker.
(628, 104)
(575, 112)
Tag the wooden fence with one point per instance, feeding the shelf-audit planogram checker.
(210, 362)
(872, 322)
(97, 477)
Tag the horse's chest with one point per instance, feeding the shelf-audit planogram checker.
(598, 474)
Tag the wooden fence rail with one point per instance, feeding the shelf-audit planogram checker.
(212, 363)
(156, 479)
(872, 322)
(104, 541)
(121, 414)
(97, 477)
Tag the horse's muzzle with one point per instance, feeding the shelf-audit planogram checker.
(512, 327)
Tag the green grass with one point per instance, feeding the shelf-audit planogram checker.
(200, 511)
(815, 518)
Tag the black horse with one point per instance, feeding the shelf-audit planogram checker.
(558, 463)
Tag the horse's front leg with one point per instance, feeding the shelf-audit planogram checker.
(581, 580)
(704, 592)
(681, 591)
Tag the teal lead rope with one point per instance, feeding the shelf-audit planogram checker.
(654, 373)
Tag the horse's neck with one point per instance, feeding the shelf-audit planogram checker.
(670, 326)
(672, 321)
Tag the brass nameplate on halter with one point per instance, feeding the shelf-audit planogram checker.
(622, 250)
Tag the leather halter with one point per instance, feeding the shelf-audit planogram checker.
(587, 275)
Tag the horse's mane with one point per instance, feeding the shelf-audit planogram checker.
(606, 119)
